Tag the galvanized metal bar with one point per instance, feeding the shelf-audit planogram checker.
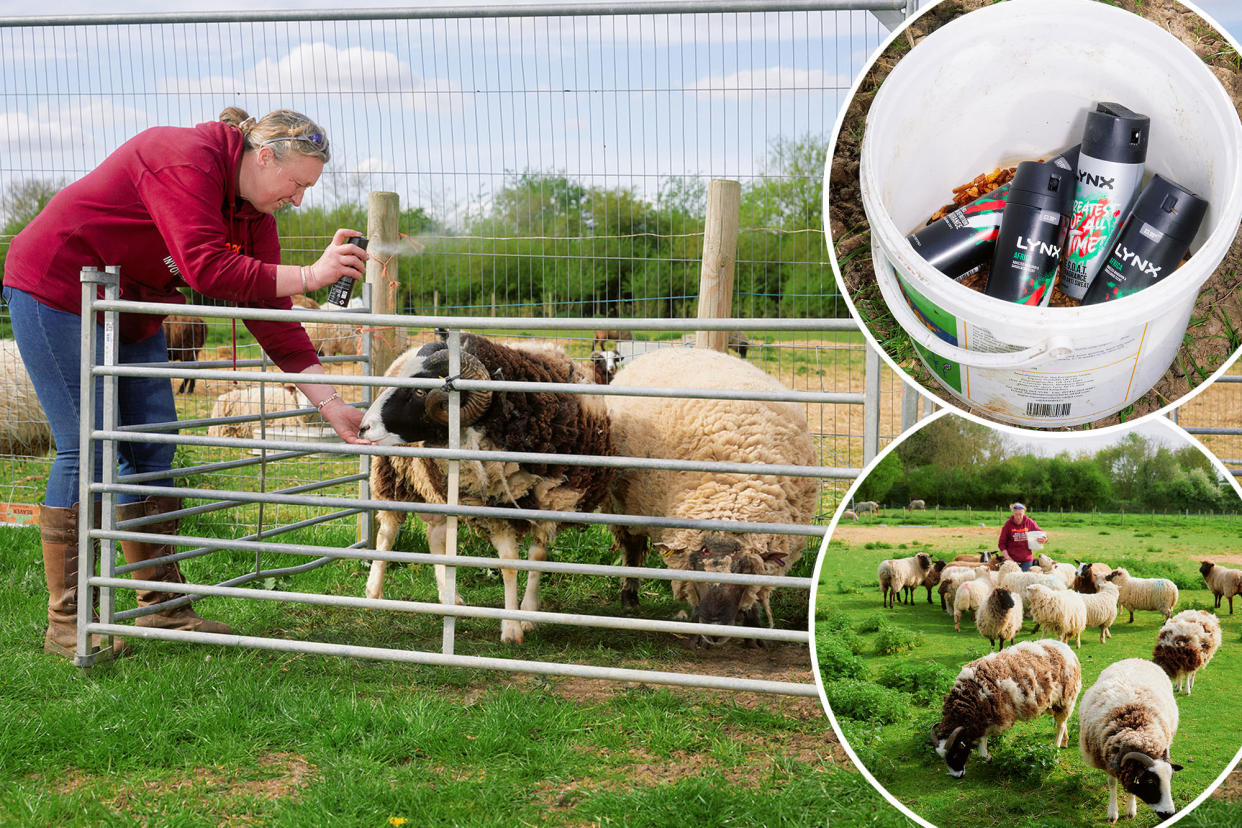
(356, 552)
(499, 10)
(223, 465)
(468, 323)
(1224, 432)
(871, 407)
(730, 683)
(589, 389)
(448, 593)
(455, 611)
(325, 502)
(109, 415)
(830, 472)
(91, 279)
(909, 407)
(210, 421)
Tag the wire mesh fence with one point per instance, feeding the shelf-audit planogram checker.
(548, 163)
(1215, 417)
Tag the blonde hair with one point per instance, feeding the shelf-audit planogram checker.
(283, 130)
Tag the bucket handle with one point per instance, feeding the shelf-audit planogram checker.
(1054, 347)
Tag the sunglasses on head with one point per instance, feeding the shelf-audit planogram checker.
(315, 139)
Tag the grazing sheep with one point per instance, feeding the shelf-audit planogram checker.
(184, 336)
(932, 578)
(977, 559)
(999, 617)
(916, 504)
(605, 365)
(1011, 577)
(1186, 644)
(604, 337)
(993, 692)
(1087, 576)
(969, 597)
(251, 401)
(1127, 721)
(749, 431)
(1155, 594)
(1102, 609)
(1061, 612)
(953, 576)
(490, 421)
(849, 514)
(866, 507)
(902, 574)
(1224, 583)
(25, 430)
(1064, 571)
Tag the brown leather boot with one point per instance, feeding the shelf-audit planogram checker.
(182, 618)
(58, 533)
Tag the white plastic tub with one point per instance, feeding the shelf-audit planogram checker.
(1012, 82)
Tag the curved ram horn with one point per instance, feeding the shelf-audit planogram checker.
(474, 403)
(953, 736)
(1142, 758)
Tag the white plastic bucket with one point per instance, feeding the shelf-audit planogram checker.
(1014, 81)
(1035, 540)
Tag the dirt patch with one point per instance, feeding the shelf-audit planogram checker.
(1214, 320)
(1231, 789)
(909, 534)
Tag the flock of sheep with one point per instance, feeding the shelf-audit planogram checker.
(1127, 718)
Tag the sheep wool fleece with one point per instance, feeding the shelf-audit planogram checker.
(165, 207)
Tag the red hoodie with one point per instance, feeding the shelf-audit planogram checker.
(164, 206)
(1013, 539)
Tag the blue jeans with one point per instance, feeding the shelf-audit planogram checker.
(50, 342)
(1026, 565)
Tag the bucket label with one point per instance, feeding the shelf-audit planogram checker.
(937, 320)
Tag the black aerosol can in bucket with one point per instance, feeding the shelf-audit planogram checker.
(961, 242)
(1032, 233)
(1153, 241)
(338, 294)
(1110, 170)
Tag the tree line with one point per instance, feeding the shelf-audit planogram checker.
(957, 462)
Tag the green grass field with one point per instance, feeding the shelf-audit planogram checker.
(886, 671)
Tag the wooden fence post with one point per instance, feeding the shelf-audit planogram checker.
(720, 232)
(382, 215)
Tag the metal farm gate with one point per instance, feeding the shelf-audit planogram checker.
(1215, 417)
(552, 167)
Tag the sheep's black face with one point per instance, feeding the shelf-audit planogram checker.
(1205, 568)
(719, 603)
(955, 752)
(399, 415)
(1153, 785)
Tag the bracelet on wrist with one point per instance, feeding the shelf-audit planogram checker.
(333, 396)
(304, 290)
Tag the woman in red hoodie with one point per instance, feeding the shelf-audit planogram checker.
(173, 207)
(1013, 537)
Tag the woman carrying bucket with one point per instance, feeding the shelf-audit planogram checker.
(1019, 537)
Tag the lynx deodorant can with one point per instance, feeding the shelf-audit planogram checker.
(338, 294)
(1152, 243)
(963, 241)
(1110, 169)
(1032, 232)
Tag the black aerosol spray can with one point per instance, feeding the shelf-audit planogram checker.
(338, 294)
(1032, 233)
(1152, 243)
(1110, 170)
(963, 241)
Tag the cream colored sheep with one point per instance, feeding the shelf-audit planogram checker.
(330, 338)
(1063, 571)
(1155, 594)
(999, 617)
(1101, 609)
(898, 574)
(1224, 583)
(247, 402)
(25, 430)
(1186, 644)
(969, 597)
(1061, 611)
(952, 577)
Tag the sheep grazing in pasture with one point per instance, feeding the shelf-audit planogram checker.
(916, 504)
(1064, 571)
(969, 598)
(1011, 577)
(999, 617)
(902, 574)
(1127, 721)
(1186, 644)
(867, 507)
(1101, 609)
(739, 431)
(932, 577)
(1062, 612)
(953, 576)
(25, 430)
(992, 692)
(184, 336)
(251, 401)
(1155, 594)
(490, 421)
(1089, 576)
(603, 337)
(849, 514)
(605, 365)
(1224, 583)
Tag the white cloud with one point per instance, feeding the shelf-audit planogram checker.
(752, 83)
